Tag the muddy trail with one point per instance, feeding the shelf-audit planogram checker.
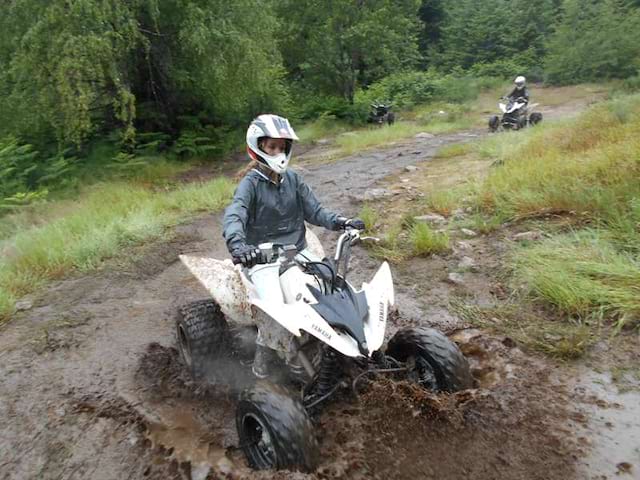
(92, 386)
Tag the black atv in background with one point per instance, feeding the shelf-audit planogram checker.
(381, 113)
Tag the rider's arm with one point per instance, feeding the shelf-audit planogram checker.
(314, 212)
(236, 215)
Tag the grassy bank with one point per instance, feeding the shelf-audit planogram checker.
(585, 171)
(98, 225)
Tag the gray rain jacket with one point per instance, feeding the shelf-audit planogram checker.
(262, 211)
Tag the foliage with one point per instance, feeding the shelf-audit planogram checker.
(594, 40)
(336, 46)
(26, 178)
(492, 31)
(71, 70)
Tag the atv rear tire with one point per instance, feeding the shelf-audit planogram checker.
(535, 118)
(438, 364)
(274, 430)
(494, 123)
(203, 334)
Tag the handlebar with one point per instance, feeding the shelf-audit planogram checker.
(272, 252)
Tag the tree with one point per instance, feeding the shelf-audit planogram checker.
(594, 40)
(82, 67)
(337, 45)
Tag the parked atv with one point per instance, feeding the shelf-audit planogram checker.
(381, 113)
(516, 114)
(339, 333)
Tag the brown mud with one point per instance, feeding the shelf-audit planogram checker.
(92, 385)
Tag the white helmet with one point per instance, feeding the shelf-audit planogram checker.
(520, 81)
(271, 126)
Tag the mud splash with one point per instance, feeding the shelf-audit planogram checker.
(393, 430)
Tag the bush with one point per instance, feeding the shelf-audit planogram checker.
(404, 90)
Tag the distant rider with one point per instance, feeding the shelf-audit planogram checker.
(271, 204)
(520, 90)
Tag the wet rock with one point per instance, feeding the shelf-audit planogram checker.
(467, 263)
(468, 232)
(528, 236)
(430, 218)
(455, 278)
(225, 466)
(462, 245)
(376, 193)
(23, 305)
(411, 168)
(458, 214)
(200, 471)
(424, 135)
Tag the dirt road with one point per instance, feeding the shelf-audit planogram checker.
(91, 386)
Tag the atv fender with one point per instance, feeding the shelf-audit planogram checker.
(299, 316)
(224, 281)
(380, 296)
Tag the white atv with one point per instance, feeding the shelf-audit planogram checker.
(339, 333)
(516, 114)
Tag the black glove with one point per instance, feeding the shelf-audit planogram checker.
(247, 255)
(356, 223)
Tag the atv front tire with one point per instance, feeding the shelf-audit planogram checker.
(202, 334)
(436, 362)
(274, 430)
(535, 118)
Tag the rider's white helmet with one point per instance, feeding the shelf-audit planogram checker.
(271, 126)
(520, 82)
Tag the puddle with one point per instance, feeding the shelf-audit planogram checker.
(609, 427)
(181, 432)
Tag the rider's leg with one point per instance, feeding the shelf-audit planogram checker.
(272, 337)
(274, 342)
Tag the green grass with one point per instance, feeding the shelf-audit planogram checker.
(323, 127)
(565, 340)
(375, 136)
(454, 150)
(425, 241)
(103, 221)
(583, 275)
(586, 169)
(444, 202)
(370, 217)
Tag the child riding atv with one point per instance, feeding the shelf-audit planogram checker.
(271, 204)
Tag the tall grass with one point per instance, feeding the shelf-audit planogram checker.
(588, 166)
(425, 241)
(107, 219)
(589, 169)
(583, 275)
